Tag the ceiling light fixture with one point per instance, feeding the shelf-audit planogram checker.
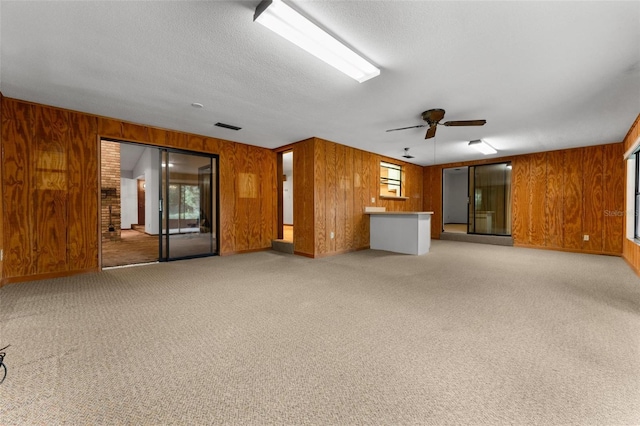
(483, 147)
(283, 20)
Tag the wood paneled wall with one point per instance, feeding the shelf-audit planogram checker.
(332, 185)
(50, 183)
(1, 199)
(631, 249)
(557, 198)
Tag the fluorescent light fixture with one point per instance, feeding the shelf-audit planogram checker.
(482, 146)
(283, 20)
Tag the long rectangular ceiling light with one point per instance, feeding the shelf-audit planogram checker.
(482, 146)
(283, 20)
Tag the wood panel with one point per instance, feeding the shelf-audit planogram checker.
(303, 206)
(228, 210)
(135, 132)
(614, 192)
(1, 197)
(50, 194)
(268, 202)
(83, 187)
(358, 202)
(537, 194)
(195, 143)
(520, 208)
(331, 195)
(346, 187)
(572, 201)
(50, 181)
(17, 137)
(320, 198)
(554, 216)
(179, 141)
(253, 213)
(340, 209)
(109, 128)
(593, 201)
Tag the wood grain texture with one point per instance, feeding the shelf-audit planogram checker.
(331, 194)
(346, 187)
(19, 240)
(50, 194)
(537, 194)
(520, 208)
(135, 132)
(320, 198)
(593, 201)
(195, 143)
(177, 140)
(303, 208)
(554, 216)
(253, 212)
(83, 187)
(340, 228)
(1, 196)
(50, 181)
(228, 210)
(614, 192)
(109, 128)
(359, 198)
(572, 202)
(268, 200)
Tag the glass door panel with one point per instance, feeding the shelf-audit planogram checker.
(188, 216)
(490, 199)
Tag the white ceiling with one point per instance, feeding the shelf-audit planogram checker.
(545, 75)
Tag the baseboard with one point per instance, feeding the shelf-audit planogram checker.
(231, 253)
(333, 253)
(37, 277)
(299, 253)
(568, 250)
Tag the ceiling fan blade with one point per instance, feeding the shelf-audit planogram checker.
(465, 123)
(404, 128)
(431, 132)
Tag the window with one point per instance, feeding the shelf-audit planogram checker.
(390, 180)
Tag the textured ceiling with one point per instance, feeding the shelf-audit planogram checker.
(545, 75)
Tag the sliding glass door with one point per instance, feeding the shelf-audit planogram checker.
(188, 205)
(490, 199)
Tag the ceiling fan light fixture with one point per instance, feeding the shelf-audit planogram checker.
(286, 22)
(482, 147)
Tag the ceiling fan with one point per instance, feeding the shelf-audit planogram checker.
(433, 117)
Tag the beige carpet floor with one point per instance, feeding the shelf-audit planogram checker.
(467, 334)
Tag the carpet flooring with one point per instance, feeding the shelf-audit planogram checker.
(467, 334)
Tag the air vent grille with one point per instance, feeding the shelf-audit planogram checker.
(227, 126)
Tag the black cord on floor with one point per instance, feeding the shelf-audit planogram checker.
(2, 366)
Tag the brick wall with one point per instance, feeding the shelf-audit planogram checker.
(110, 190)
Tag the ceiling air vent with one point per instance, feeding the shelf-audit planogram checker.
(227, 126)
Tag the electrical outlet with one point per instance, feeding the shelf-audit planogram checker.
(332, 235)
(586, 238)
(373, 199)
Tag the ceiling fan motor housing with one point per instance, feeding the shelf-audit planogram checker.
(433, 116)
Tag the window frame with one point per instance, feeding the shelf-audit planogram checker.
(399, 183)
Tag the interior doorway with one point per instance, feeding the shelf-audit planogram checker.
(287, 196)
(156, 204)
(455, 200)
(477, 200)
